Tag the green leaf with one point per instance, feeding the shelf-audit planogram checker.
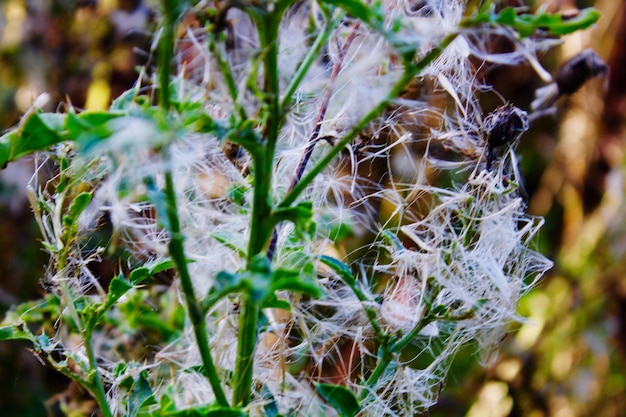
(585, 19)
(202, 411)
(393, 240)
(274, 302)
(233, 241)
(340, 398)
(270, 407)
(237, 194)
(79, 204)
(140, 395)
(38, 132)
(301, 215)
(526, 24)
(13, 332)
(137, 275)
(225, 412)
(295, 281)
(167, 403)
(162, 265)
(355, 8)
(340, 268)
(158, 199)
(117, 288)
(36, 310)
(125, 100)
(90, 128)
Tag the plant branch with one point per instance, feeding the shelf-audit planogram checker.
(176, 243)
(261, 223)
(411, 71)
(314, 137)
(196, 315)
(310, 57)
(306, 156)
(95, 378)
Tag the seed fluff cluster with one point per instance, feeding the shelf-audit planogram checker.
(445, 261)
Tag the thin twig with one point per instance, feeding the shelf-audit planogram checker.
(314, 137)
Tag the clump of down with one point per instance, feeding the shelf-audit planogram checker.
(445, 260)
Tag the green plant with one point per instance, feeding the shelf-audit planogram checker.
(244, 182)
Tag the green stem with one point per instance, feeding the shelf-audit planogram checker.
(248, 333)
(311, 55)
(411, 71)
(383, 362)
(229, 79)
(261, 223)
(95, 379)
(389, 352)
(166, 51)
(177, 252)
(176, 243)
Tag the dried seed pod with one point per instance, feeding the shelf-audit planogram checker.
(503, 126)
(578, 70)
(571, 76)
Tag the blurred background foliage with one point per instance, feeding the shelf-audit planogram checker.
(567, 360)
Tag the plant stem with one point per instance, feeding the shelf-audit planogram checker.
(248, 333)
(166, 51)
(314, 137)
(95, 379)
(177, 252)
(261, 223)
(411, 71)
(311, 55)
(176, 243)
(388, 352)
(308, 151)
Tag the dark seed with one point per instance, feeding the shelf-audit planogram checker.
(578, 70)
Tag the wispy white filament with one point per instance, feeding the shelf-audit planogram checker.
(465, 246)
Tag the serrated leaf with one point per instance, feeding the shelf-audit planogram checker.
(340, 398)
